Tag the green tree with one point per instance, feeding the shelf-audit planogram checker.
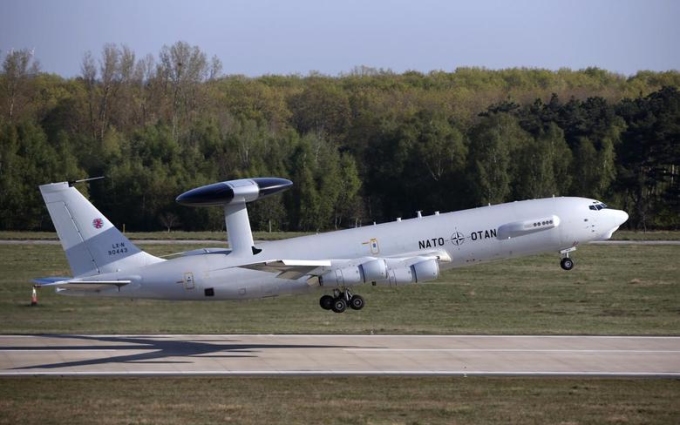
(372, 144)
(181, 70)
(649, 156)
(321, 107)
(542, 166)
(19, 68)
(494, 159)
(27, 160)
(305, 200)
(348, 204)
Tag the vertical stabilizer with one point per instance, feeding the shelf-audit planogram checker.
(92, 244)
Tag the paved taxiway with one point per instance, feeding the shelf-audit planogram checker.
(339, 355)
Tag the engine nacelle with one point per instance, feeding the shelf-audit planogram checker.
(347, 276)
(382, 272)
(242, 190)
(370, 271)
(426, 271)
(374, 270)
(401, 276)
(422, 271)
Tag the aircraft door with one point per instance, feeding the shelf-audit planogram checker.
(188, 281)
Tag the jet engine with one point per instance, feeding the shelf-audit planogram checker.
(382, 272)
(422, 271)
(347, 276)
(374, 270)
(370, 271)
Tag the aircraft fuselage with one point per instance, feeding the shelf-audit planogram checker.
(458, 239)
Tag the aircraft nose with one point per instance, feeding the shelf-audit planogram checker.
(620, 217)
(615, 218)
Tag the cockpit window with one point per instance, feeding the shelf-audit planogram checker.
(597, 206)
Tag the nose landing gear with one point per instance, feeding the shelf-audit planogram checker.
(340, 300)
(566, 263)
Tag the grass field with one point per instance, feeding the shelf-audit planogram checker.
(627, 289)
(612, 290)
(367, 400)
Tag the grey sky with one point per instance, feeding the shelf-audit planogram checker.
(256, 37)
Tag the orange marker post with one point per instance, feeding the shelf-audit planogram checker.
(34, 297)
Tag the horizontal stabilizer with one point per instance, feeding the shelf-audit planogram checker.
(288, 269)
(39, 282)
(67, 283)
(199, 251)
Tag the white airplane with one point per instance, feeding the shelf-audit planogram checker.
(105, 263)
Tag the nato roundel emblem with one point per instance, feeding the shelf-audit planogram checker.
(98, 223)
(457, 239)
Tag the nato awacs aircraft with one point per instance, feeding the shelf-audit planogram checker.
(105, 263)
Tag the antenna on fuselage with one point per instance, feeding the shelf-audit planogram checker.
(89, 179)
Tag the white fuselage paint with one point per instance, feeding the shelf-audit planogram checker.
(468, 237)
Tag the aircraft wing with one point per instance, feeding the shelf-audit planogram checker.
(295, 269)
(67, 283)
(288, 269)
(435, 254)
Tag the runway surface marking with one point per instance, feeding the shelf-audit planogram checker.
(451, 355)
(498, 350)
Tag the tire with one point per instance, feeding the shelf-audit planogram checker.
(356, 302)
(567, 264)
(339, 305)
(326, 302)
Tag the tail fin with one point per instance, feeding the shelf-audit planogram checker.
(92, 244)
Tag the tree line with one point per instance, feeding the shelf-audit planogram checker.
(366, 146)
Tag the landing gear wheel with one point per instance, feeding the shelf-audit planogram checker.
(567, 264)
(356, 302)
(326, 302)
(339, 305)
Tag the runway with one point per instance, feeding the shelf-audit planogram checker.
(449, 355)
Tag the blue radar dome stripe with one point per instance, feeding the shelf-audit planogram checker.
(222, 193)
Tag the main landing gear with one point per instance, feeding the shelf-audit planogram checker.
(340, 300)
(566, 263)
